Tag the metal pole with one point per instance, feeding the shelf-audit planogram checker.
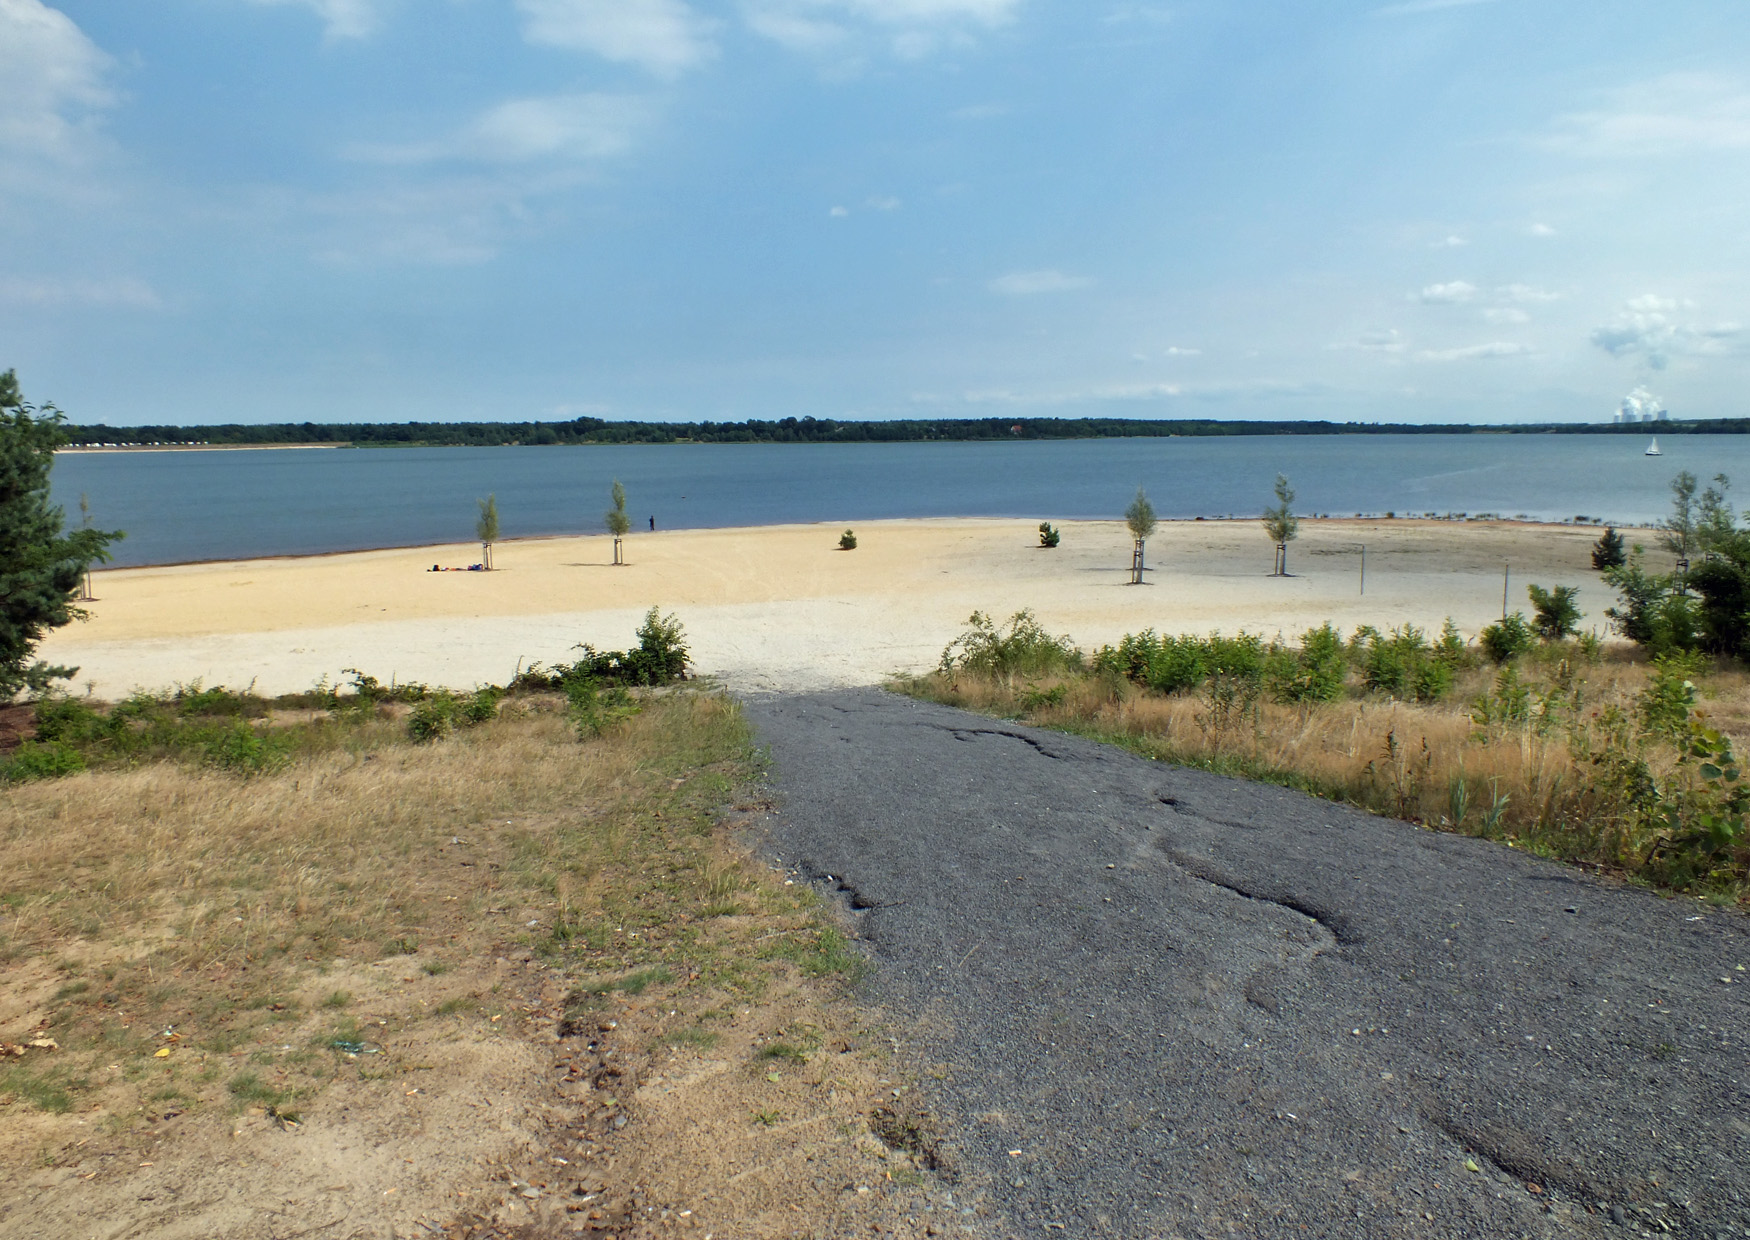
(1506, 567)
(1364, 569)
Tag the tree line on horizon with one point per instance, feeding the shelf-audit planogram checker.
(807, 430)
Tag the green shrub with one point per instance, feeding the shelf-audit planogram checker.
(847, 541)
(1180, 664)
(1312, 673)
(73, 720)
(433, 718)
(1665, 704)
(1048, 536)
(1404, 664)
(1024, 649)
(1507, 638)
(593, 710)
(1558, 616)
(242, 749)
(39, 760)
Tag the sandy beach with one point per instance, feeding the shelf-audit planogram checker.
(779, 608)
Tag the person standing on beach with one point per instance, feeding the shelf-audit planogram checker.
(653, 525)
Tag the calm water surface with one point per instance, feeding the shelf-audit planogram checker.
(181, 506)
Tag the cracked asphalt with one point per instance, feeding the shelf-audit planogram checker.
(1165, 1003)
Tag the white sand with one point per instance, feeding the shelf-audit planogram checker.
(780, 608)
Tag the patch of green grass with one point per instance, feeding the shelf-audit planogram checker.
(435, 968)
(828, 953)
(49, 1090)
(766, 1119)
(634, 983)
(781, 1050)
(248, 1088)
(450, 1007)
(698, 1039)
(71, 989)
(338, 999)
(401, 947)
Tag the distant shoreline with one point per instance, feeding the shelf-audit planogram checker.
(130, 448)
(600, 432)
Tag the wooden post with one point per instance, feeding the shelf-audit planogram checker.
(1364, 570)
(1506, 570)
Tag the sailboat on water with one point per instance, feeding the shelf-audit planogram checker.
(1653, 448)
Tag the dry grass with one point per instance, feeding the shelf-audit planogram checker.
(1532, 786)
(169, 897)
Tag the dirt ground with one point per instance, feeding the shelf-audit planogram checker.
(509, 1118)
(508, 984)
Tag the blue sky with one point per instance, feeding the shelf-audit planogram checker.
(1438, 210)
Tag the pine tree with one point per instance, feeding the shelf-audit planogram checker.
(1608, 551)
(40, 565)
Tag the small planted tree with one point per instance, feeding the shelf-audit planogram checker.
(1677, 533)
(1048, 535)
(486, 529)
(1608, 551)
(847, 541)
(40, 565)
(1281, 524)
(1558, 616)
(1140, 517)
(618, 522)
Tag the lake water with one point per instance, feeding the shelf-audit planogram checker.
(182, 506)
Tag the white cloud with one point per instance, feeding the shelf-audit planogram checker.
(1448, 294)
(1474, 352)
(913, 28)
(557, 128)
(887, 203)
(664, 36)
(1450, 242)
(1648, 327)
(1541, 230)
(1410, 7)
(52, 87)
(1670, 115)
(839, 213)
(1524, 294)
(341, 19)
(1028, 283)
(1174, 350)
(1506, 315)
(120, 294)
(1386, 340)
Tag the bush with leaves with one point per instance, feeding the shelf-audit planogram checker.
(848, 541)
(1404, 664)
(1312, 672)
(40, 759)
(659, 659)
(1048, 535)
(1507, 638)
(1024, 648)
(1557, 614)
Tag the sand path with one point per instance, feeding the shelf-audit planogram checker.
(781, 608)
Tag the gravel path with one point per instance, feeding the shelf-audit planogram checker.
(1201, 1007)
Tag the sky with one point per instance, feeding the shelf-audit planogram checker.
(383, 210)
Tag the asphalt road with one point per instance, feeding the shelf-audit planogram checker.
(1202, 1007)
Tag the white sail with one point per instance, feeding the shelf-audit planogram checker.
(1653, 448)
